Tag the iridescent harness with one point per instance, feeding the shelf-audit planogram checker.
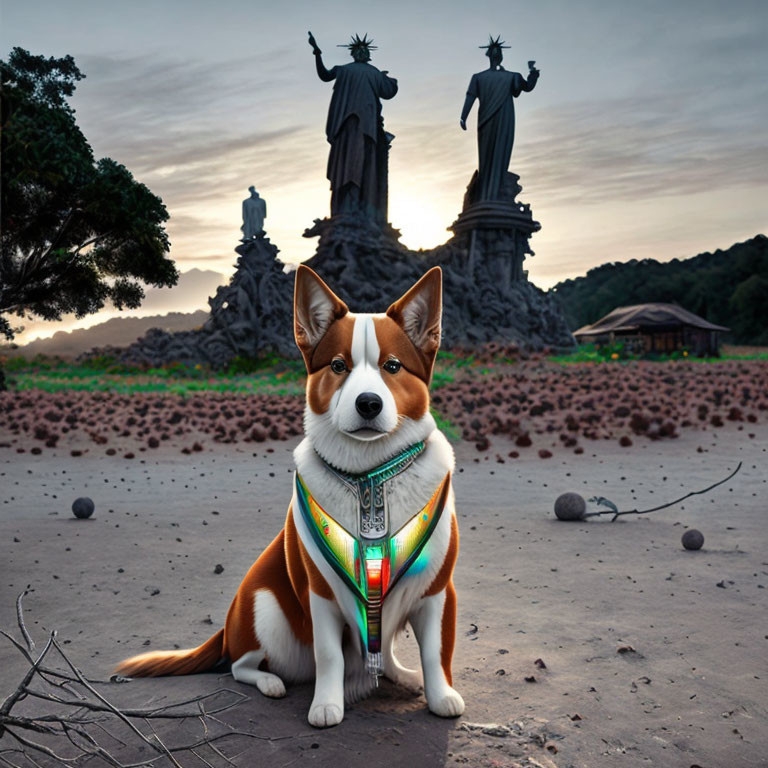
(372, 562)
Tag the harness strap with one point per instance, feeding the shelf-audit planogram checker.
(371, 568)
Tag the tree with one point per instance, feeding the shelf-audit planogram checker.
(75, 232)
(725, 287)
(747, 304)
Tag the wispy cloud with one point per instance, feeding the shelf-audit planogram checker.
(630, 149)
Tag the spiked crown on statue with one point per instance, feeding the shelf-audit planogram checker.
(359, 43)
(496, 44)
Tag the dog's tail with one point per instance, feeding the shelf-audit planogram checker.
(186, 661)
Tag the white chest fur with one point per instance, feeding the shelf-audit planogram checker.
(407, 493)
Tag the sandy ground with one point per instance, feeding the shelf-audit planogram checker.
(141, 573)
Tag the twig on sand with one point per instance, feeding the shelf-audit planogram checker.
(20, 618)
(67, 732)
(614, 510)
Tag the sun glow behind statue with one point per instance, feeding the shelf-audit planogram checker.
(422, 224)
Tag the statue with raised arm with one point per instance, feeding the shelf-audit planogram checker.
(357, 163)
(496, 90)
(254, 213)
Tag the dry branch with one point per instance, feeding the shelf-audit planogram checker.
(68, 732)
(614, 510)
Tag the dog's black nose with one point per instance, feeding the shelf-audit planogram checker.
(368, 405)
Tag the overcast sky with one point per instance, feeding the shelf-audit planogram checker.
(645, 137)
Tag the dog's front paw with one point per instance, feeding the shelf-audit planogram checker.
(447, 704)
(325, 715)
(270, 685)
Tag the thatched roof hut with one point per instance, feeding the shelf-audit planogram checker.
(654, 328)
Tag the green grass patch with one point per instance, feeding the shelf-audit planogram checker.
(616, 353)
(446, 426)
(266, 375)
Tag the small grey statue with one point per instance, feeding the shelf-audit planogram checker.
(254, 213)
(357, 163)
(496, 89)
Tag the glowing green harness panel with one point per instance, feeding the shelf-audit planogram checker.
(371, 567)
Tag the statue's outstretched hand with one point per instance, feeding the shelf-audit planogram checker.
(313, 43)
(463, 124)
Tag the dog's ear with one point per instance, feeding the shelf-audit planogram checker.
(315, 307)
(419, 313)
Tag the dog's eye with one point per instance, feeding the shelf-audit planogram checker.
(392, 366)
(338, 365)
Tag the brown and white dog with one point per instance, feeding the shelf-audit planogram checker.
(367, 401)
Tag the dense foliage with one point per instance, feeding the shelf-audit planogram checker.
(725, 287)
(76, 232)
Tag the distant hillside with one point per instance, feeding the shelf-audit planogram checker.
(726, 287)
(119, 331)
(188, 295)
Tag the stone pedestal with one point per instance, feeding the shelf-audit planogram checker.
(250, 316)
(362, 261)
(497, 231)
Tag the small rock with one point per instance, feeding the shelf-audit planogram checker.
(219, 568)
(570, 506)
(83, 507)
(625, 649)
(693, 539)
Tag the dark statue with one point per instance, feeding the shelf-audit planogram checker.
(254, 213)
(496, 89)
(357, 163)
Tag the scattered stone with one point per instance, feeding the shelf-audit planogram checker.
(540, 663)
(625, 649)
(570, 506)
(489, 729)
(218, 569)
(693, 539)
(83, 507)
